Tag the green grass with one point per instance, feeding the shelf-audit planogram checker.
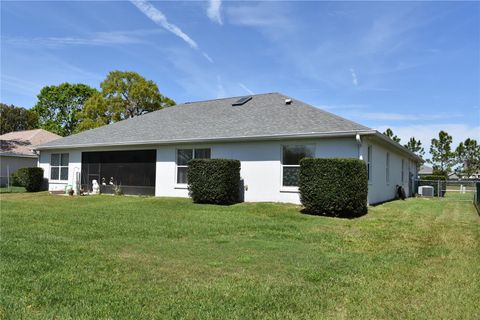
(12, 189)
(142, 258)
(456, 195)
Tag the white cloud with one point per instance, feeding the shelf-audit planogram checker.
(207, 57)
(213, 11)
(244, 87)
(262, 14)
(159, 18)
(354, 77)
(94, 39)
(19, 86)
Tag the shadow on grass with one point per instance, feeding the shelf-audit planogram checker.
(386, 201)
(339, 215)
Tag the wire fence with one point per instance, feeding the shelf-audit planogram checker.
(454, 190)
(476, 200)
(7, 186)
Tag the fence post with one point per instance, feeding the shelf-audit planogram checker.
(438, 189)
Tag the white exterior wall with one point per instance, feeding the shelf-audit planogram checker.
(379, 190)
(261, 166)
(74, 166)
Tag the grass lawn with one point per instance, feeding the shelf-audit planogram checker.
(12, 189)
(141, 258)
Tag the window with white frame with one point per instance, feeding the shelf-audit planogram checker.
(291, 156)
(185, 155)
(369, 163)
(59, 166)
(387, 168)
(403, 170)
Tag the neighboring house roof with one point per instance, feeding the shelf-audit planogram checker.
(265, 116)
(22, 143)
(425, 170)
(453, 175)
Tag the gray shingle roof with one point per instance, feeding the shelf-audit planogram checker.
(266, 115)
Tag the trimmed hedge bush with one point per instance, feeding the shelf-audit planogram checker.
(214, 180)
(432, 177)
(334, 186)
(30, 178)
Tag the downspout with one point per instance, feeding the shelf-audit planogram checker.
(359, 146)
(360, 157)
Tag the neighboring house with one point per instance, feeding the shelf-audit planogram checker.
(475, 175)
(425, 170)
(17, 150)
(453, 176)
(268, 133)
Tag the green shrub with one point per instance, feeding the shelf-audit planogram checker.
(214, 180)
(16, 179)
(30, 178)
(337, 187)
(432, 177)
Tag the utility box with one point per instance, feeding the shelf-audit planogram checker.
(426, 191)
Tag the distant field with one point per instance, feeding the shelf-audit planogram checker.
(106, 257)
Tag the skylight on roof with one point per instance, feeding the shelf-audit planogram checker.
(241, 101)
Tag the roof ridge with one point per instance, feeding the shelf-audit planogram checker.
(227, 98)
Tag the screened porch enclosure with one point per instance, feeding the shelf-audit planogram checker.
(133, 170)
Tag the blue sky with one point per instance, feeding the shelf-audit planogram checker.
(411, 66)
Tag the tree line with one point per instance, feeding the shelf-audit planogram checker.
(464, 160)
(69, 108)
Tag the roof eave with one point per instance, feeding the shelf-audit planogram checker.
(18, 155)
(216, 139)
(396, 145)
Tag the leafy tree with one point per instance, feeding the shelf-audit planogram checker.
(415, 146)
(95, 113)
(124, 95)
(443, 158)
(14, 118)
(389, 133)
(129, 95)
(57, 106)
(468, 156)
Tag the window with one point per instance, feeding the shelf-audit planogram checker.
(59, 166)
(185, 155)
(369, 163)
(403, 169)
(291, 162)
(387, 169)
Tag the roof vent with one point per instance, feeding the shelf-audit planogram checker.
(241, 101)
(288, 101)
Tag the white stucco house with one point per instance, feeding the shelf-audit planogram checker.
(268, 133)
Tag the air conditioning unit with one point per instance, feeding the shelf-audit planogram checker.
(426, 191)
